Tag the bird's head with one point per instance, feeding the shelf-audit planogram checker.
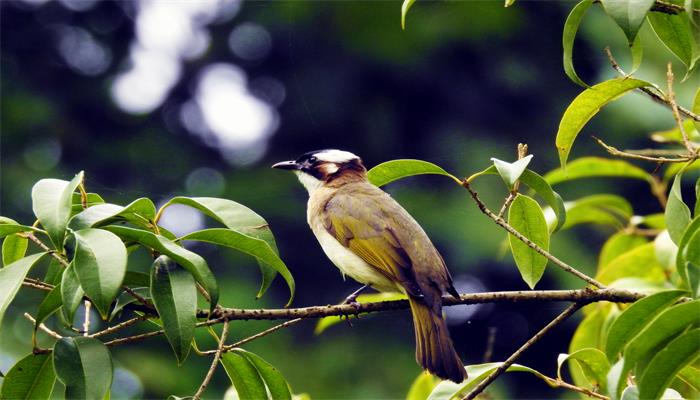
(328, 167)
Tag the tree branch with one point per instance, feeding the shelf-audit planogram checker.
(636, 156)
(214, 363)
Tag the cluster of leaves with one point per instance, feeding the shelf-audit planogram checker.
(88, 243)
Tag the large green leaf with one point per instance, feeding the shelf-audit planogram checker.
(677, 213)
(84, 365)
(174, 294)
(601, 209)
(675, 33)
(393, 170)
(585, 106)
(635, 318)
(691, 376)
(190, 261)
(592, 362)
(422, 386)
(596, 167)
(526, 216)
(617, 244)
(140, 212)
(244, 376)
(447, 390)
(246, 244)
(100, 263)
(14, 247)
(570, 29)
(628, 14)
(277, 386)
(51, 203)
(664, 366)
(640, 262)
(11, 278)
(71, 293)
(511, 172)
(32, 377)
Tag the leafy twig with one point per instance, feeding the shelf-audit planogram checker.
(47, 249)
(121, 325)
(619, 153)
(214, 363)
(671, 98)
(43, 327)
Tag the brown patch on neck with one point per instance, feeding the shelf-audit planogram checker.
(352, 171)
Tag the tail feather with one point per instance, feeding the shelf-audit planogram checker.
(434, 349)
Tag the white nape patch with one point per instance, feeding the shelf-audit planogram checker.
(309, 181)
(336, 156)
(330, 168)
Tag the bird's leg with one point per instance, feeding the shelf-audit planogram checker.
(352, 299)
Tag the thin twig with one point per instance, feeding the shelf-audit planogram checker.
(37, 284)
(656, 152)
(121, 325)
(86, 322)
(214, 363)
(671, 97)
(501, 222)
(559, 383)
(266, 332)
(619, 153)
(511, 360)
(43, 327)
(146, 335)
(137, 296)
(47, 249)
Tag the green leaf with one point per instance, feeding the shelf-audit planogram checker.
(133, 278)
(190, 261)
(71, 293)
(676, 168)
(637, 51)
(32, 377)
(275, 382)
(675, 33)
(628, 14)
(677, 213)
(393, 170)
(14, 247)
(10, 227)
(666, 251)
(602, 209)
(511, 172)
(691, 376)
(48, 306)
(244, 376)
(693, 271)
(175, 296)
(585, 106)
(640, 262)
(326, 322)
(596, 167)
(246, 244)
(654, 221)
(100, 263)
(617, 244)
(674, 134)
(696, 108)
(697, 198)
(477, 373)
(422, 386)
(51, 203)
(570, 29)
(11, 278)
(668, 362)
(140, 212)
(635, 318)
(593, 364)
(526, 216)
(84, 365)
(688, 245)
(405, 6)
(616, 379)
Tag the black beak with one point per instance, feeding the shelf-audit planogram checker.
(288, 165)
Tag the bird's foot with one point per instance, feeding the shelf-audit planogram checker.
(352, 299)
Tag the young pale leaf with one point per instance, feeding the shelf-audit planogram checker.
(511, 172)
(585, 106)
(677, 213)
(11, 278)
(71, 293)
(422, 386)
(51, 203)
(244, 376)
(640, 262)
(48, 306)
(32, 377)
(596, 167)
(628, 14)
(100, 263)
(275, 382)
(664, 366)
(393, 170)
(192, 262)
(246, 244)
(407, 4)
(84, 365)
(676, 34)
(174, 294)
(14, 247)
(526, 216)
(140, 212)
(635, 318)
(617, 244)
(570, 29)
(448, 390)
(593, 364)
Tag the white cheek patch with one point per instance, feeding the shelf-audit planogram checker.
(309, 182)
(330, 168)
(336, 156)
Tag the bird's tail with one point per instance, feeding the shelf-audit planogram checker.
(434, 349)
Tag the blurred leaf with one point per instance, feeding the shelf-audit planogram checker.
(422, 386)
(628, 14)
(100, 264)
(275, 382)
(654, 221)
(632, 393)
(693, 271)
(674, 135)
(244, 376)
(14, 247)
(697, 198)
(675, 168)
(635, 318)
(447, 389)
(696, 108)
(677, 214)
(585, 106)
(511, 172)
(639, 262)
(246, 244)
(407, 4)
(596, 167)
(175, 296)
(192, 262)
(526, 217)
(675, 33)
(84, 365)
(11, 278)
(393, 170)
(32, 377)
(664, 366)
(326, 322)
(592, 362)
(71, 293)
(570, 29)
(617, 244)
(48, 306)
(51, 203)
(665, 250)
(140, 212)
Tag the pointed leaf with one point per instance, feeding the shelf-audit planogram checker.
(526, 216)
(675, 33)
(9, 227)
(570, 29)
(405, 6)
(84, 365)
(175, 296)
(677, 214)
(11, 278)
(593, 364)
(447, 390)
(275, 382)
(32, 377)
(585, 106)
(244, 376)
(628, 14)
(140, 212)
(596, 167)
(393, 170)
(14, 247)
(511, 172)
(51, 202)
(662, 369)
(71, 293)
(637, 51)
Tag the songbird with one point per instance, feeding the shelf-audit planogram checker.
(375, 241)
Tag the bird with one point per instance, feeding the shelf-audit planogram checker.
(371, 238)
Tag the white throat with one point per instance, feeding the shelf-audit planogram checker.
(310, 183)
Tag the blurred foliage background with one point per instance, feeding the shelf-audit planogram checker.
(163, 98)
